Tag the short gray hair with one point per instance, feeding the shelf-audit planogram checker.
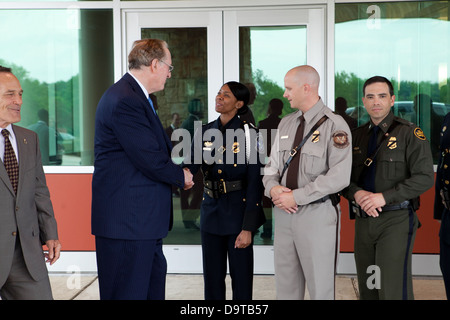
(145, 51)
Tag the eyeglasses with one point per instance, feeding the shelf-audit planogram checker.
(170, 66)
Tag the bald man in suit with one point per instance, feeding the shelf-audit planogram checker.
(27, 220)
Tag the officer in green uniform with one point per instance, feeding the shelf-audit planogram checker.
(389, 173)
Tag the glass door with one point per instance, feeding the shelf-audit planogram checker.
(210, 47)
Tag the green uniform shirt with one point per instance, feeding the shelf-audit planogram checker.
(404, 164)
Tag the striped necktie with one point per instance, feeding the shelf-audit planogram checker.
(293, 170)
(10, 161)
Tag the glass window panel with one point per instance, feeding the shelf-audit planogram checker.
(64, 60)
(185, 96)
(265, 55)
(408, 43)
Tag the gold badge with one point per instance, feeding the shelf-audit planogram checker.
(207, 145)
(235, 147)
(315, 136)
(419, 134)
(444, 128)
(392, 143)
(340, 139)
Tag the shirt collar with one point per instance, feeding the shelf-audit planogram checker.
(140, 85)
(312, 113)
(385, 123)
(12, 136)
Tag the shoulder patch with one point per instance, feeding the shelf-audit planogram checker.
(419, 133)
(340, 139)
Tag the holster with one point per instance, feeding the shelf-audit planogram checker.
(445, 198)
(335, 198)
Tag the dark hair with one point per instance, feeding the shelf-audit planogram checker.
(5, 69)
(276, 106)
(145, 51)
(241, 93)
(376, 79)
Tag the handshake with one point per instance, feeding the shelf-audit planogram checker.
(188, 179)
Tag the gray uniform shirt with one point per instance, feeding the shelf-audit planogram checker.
(325, 159)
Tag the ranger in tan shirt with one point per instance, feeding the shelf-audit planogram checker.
(306, 241)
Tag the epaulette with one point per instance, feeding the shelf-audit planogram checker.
(251, 125)
(404, 122)
(365, 125)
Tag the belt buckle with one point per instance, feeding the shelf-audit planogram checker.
(368, 162)
(293, 152)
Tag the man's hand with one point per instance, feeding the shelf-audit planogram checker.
(371, 203)
(54, 250)
(188, 179)
(283, 198)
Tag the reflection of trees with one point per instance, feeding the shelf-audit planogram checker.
(350, 86)
(266, 90)
(427, 113)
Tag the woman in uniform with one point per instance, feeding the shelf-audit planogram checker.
(231, 209)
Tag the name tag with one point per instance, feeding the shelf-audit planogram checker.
(284, 137)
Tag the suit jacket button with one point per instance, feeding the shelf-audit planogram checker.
(14, 233)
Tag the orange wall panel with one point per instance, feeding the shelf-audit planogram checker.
(71, 197)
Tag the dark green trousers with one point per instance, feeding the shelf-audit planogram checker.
(383, 252)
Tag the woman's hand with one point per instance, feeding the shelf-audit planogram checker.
(243, 240)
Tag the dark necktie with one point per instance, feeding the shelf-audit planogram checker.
(10, 161)
(293, 170)
(370, 177)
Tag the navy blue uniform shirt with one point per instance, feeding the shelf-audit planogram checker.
(225, 155)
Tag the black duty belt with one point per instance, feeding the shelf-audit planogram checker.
(323, 199)
(356, 209)
(215, 189)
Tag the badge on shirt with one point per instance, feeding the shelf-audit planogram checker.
(315, 136)
(340, 139)
(207, 145)
(235, 147)
(392, 143)
(419, 134)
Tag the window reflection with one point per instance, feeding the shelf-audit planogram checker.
(405, 42)
(183, 105)
(64, 60)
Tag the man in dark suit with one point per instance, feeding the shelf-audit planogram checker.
(133, 178)
(27, 220)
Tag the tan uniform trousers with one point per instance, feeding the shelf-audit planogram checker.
(306, 244)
